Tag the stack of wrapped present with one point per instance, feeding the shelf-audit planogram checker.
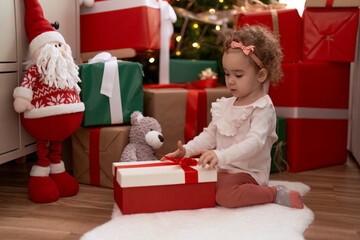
(311, 100)
(314, 93)
(112, 90)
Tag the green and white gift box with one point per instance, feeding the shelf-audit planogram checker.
(110, 89)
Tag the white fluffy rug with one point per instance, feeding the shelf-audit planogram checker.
(269, 221)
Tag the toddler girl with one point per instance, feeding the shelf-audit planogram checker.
(239, 139)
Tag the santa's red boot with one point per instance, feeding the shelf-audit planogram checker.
(66, 183)
(41, 188)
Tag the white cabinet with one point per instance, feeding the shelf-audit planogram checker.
(9, 119)
(7, 31)
(65, 13)
(15, 142)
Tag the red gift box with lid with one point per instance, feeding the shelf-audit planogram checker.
(330, 34)
(313, 97)
(117, 24)
(284, 22)
(155, 186)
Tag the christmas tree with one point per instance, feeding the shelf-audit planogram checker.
(198, 33)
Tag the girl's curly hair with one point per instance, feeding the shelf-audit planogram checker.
(267, 48)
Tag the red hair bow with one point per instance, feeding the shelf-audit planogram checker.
(246, 49)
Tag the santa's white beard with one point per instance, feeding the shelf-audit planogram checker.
(58, 70)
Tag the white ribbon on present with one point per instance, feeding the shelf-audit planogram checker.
(110, 85)
(311, 113)
(167, 15)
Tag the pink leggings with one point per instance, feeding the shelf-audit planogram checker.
(240, 189)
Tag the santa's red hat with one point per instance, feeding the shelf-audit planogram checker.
(38, 29)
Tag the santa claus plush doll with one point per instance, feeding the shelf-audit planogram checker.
(49, 103)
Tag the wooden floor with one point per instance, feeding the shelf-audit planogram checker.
(334, 197)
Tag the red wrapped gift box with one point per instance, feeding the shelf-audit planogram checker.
(116, 24)
(154, 186)
(313, 97)
(331, 3)
(330, 34)
(285, 22)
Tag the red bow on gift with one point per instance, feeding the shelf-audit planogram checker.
(184, 162)
(191, 175)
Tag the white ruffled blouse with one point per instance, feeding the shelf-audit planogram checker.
(241, 137)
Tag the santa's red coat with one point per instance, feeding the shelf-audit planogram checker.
(57, 113)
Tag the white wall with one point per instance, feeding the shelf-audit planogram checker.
(298, 4)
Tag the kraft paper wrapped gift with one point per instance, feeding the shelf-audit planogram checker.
(154, 186)
(313, 97)
(94, 149)
(117, 24)
(331, 3)
(285, 23)
(169, 106)
(110, 100)
(330, 34)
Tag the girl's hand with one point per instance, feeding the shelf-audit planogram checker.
(207, 157)
(179, 153)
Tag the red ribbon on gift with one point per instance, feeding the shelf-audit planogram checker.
(329, 3)
(94, 158)
(191, 174)
(196, 104)
(184, 162)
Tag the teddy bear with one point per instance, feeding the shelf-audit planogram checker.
(145, 137)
